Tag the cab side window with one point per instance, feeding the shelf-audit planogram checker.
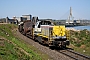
(39, 25)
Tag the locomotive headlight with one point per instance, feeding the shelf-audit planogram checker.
(64, 37)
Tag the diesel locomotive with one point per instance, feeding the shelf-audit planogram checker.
(45, 32)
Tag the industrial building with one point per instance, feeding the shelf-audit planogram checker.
(24, 17)
(16, 20)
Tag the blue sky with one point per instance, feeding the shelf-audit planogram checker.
(55, 9)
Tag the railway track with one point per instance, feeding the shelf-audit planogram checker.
(71, 53)
(74, 55)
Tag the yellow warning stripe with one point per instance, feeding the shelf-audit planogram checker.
(42, 35)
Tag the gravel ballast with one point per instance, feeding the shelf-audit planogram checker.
(54, 55)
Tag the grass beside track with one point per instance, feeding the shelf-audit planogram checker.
(80, 41)
(13, 48)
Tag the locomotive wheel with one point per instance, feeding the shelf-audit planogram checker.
(64, 46)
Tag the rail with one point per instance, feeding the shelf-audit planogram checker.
(72, 54)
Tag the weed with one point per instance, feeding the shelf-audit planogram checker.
(80, 38)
